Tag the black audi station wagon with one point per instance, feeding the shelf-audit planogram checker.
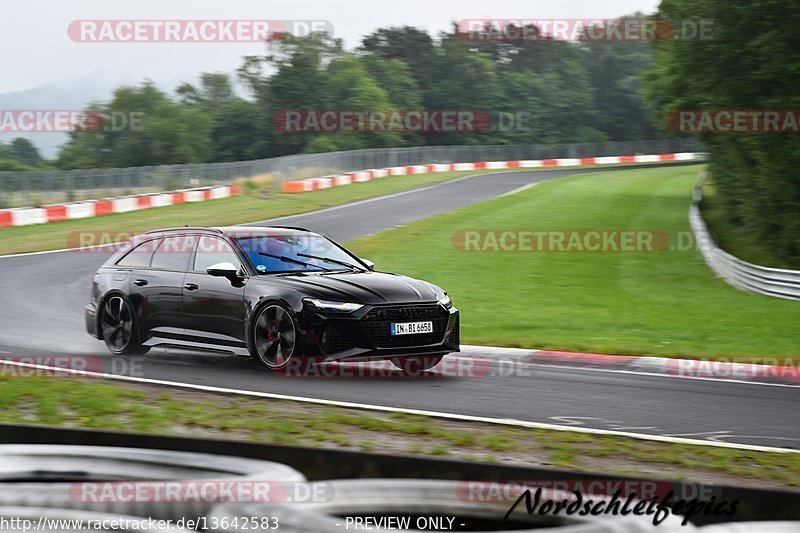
(274, 293)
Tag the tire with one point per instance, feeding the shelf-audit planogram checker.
(274, 336)
(118, 328)
(416, 364)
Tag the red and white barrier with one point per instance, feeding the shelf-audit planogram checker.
(397, 171)
(313, 184)
(362, 176)
(26, 216)
(93, 208)
(345, 179)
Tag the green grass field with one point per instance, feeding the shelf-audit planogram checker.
(660, 303)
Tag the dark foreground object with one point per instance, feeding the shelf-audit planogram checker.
(319, 464)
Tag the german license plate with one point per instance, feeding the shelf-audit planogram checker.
(410, 328)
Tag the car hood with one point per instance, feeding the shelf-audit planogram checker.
(371, 288)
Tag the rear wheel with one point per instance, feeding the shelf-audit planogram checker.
(118, 327)
(416, 364)
(274, 336)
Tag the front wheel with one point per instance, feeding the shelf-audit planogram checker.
(274, 336)
(118, 327)
(416, 364)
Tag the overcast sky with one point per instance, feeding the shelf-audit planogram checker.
(43, 68)
(37, 49)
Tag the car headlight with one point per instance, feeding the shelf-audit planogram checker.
(445, 301)
(333, 307)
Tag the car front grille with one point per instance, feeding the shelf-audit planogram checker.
(378, 325)
(335, 341)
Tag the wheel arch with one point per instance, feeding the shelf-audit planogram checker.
(101, 303)
(256, 309)
(135, 305)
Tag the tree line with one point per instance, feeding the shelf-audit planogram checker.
(18, 155)
(570, 92)
(752, 63)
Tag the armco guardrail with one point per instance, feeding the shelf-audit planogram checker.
(776, 282)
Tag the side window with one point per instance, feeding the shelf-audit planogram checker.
(174, 253)
(211, 250)
(140, 256)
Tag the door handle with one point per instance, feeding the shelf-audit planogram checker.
(140, 282)
(190, 286)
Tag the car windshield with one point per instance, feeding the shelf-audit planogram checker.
(296, 253)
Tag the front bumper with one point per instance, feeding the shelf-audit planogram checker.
(90, 315)
(366, 334)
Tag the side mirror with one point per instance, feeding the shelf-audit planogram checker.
(224, 270)
(370, 264)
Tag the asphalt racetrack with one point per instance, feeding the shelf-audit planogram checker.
(43, 296)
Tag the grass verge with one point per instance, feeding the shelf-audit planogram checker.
(658, 303)
(83, 403)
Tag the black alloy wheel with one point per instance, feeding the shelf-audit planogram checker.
(275, 336)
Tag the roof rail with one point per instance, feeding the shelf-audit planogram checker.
(184, 228)
(298, 228)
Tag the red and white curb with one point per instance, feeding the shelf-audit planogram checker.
(26, 216)
(720, 369)
(336, 180)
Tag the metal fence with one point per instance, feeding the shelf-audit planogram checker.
(36, 188)
(777, 282)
